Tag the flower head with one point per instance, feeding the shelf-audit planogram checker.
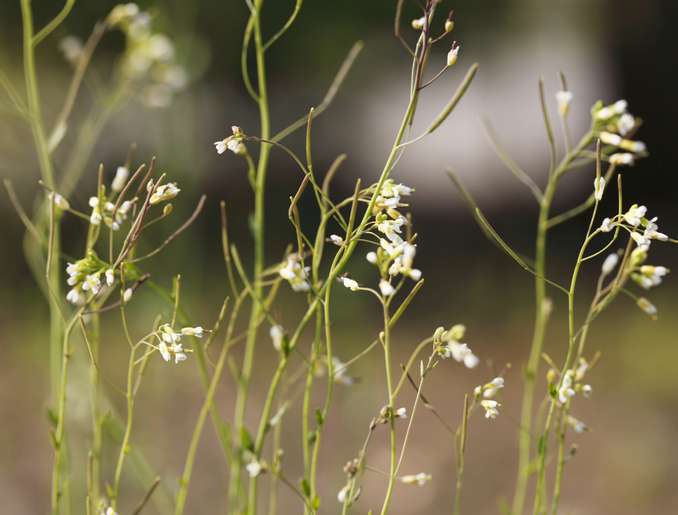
(295, 273)
(164, 192)
(491, 408)
(563, 98)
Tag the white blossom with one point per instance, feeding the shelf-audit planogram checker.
(371, 257)
(110, 277)
(606, 225)
(419, 479)
(635, 214)
(610, 138)
(254, 468)
(491, 408)
(419, 23)
(401, 413)
(59, 201)
(71, 48)
(566, 390)
(120, 179)
(563, 98)
(577, 425)
(622, 158)
(625, 124)
(164, 192)
(277, 334)
(349, 283)
(295, 274)
(196, 331)
(610, 264)
(386, 288)
(337, 240)
(649, 308)
(127, 295)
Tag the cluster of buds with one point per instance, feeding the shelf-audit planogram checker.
(446, 343)
(612, 124)
(149, 59)
(85, 278)
(234, 143)
(169, 341)
(255, 467)
(294, 272)
(105, 210)
(394, 256)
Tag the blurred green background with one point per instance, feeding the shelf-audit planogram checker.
(608, 49)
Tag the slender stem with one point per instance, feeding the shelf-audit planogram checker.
(540, 321)
(124, 446)
(393, 451)
(59, 433)
(259, 220)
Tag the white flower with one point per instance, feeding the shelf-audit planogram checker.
(416, 479)
(625, 124)
(75, 296)
(71, 48)
(339, 372)
(221, 146)
(371, 257)
(59, 201)
(196, 331)
(296, 274)
(619, 107)
(254, 468)
(343, 494)
(120, 179)
(277, 334)
(460, 353)
(164, 192)
(640, 239)
(401, 413)
(623, 158)
(160, 47)
(647, 307)
(609, 264)
(492, 388)
(95, 218)
(652, 275)
(606, 225)
(110, 276)
(419, 23)
(611, 139)
(453, 54)
(491, 408)
(563, 98)
(386, 288)
(598, 188)
(635, 214)
(349, 283)
(92, 283)
(164, 351)
(586, 390)
(633, 146)
(566, 392)
(127, 295)
(577, 425)
(651, 232)
(178, 351)
(337, 240)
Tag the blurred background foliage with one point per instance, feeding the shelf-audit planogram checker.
(608, 50)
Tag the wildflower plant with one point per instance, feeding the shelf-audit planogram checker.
(373, 223)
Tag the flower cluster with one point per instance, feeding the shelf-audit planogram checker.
(169, 341)
(395, 255)
(572, 382)
(162, 192)
(612, 124)
(234, 143)
(446, 344)
(295, 273)
(491, 408)
(104, 210)
(149, 59)
(85, 278)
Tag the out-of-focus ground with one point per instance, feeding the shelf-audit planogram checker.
(628, 461)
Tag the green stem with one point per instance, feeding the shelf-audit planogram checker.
(258, 229)
(540, 320)
(391, 409)
(124, 446)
